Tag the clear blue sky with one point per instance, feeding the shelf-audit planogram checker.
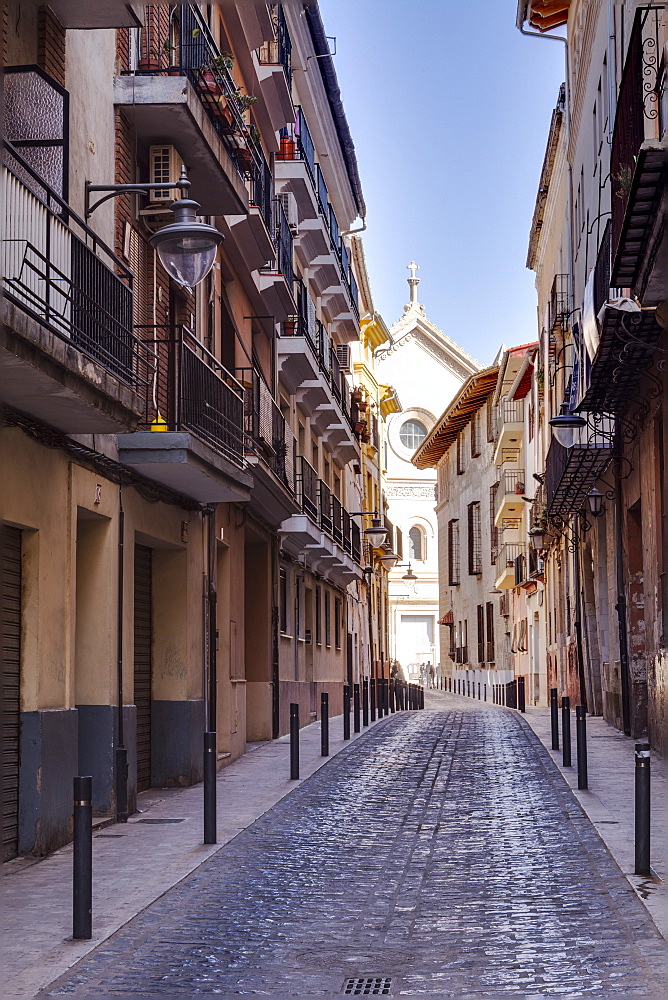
(449, 106)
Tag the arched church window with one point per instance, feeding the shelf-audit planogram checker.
(412, 434)
(417, 544)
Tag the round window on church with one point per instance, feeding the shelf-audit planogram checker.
(412, 434)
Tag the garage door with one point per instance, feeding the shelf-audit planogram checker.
(11, 686)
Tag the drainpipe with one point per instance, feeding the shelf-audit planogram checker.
(212, 599)
(620, 606)
(121, 753)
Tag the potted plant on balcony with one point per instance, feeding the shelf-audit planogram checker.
(290, 326)
(356, 396)
(360, 426)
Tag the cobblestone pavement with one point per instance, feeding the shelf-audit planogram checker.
(443, 851)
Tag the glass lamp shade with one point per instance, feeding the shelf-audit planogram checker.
(565, 425)
(537, 536)
(187, 248)
(409, 576)
(375, 535)
(595, 501)
(389, 560)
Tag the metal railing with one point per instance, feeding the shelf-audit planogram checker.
(326, 512)
(283, 241)
(507, 557)
(182, 43)
(192, 391)
(509, 411)
(307, 485)
(262, 191)
(337, 520)
(323, 352)
(559, 309)
(279, 51)
(267, 432)
(602, 271)
(296, 143)
(58, 270)
(637, 103)
(355, 541)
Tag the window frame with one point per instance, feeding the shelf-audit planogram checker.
(454, 561)
(283, 618)
(474, 525)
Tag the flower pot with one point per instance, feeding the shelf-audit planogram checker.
(359, 426)
(363, 406)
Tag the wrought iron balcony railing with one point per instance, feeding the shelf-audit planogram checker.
(178, 41)
(192, 391)
(307, 486)
(58, 270)
(268, 434)
(559, 310)
(507, 557)
(279, 51)
(262, 191)
(337, 520)
(637, 105)
(511, 483)
(326, 512)
(284, 244)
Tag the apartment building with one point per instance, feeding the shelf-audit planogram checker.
(179, 451)
(598, 248)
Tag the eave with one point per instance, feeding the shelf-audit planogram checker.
(470, 398)
(543, 15)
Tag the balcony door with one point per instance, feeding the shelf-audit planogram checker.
(143, 662)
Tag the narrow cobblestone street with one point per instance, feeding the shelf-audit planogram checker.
(443, 851)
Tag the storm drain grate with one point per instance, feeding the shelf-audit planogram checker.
(367, 986)
(158, 822)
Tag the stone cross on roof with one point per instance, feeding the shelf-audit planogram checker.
(413, 281)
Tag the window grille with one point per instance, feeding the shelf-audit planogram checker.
(283, 586)
(318, 615)
(328, 620)
(481, 633)
(475, 435)
(460, 467)
(453, 552)
(474, 538)
(491, 422)
(493, 530)
(490, 655)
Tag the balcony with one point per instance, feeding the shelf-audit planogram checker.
(270, 450)
(509, 431)
(310, 369)
(319, 245)
(276, 282)
(68, 356)
(571, 473)
(274, 70)
(323, 532)
(506, 565)
(637, 169)
(192, 437)
(179, 86)
(254, 233)
(509, 503)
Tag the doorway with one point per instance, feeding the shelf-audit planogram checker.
(143, 661)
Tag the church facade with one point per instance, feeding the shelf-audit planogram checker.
(427, 369)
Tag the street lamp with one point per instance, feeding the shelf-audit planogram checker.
(389, 560)
(537, 536)
(186, 247)
(376, 534)
(565, 425)
(409, 576)
(595, 502)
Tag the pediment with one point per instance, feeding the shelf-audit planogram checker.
(415, 327)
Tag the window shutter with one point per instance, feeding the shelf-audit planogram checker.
(481, 633)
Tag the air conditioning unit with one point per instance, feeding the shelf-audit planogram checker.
(164, 168)
(289, 203)
(343, 357)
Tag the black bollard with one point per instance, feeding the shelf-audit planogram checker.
(210, 825)
(324, 724)
(372, 698)
(521, 696)
(82, 869)
(393, 696)
(421, 697)
(581, 745)
(554, 717)
(642, 809)
(356, 708)
(346, 712)
(365, 702)
(294, 741)
(566, 729)
(386, 696)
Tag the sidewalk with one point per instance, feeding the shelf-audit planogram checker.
(134, 863)
(609, 801)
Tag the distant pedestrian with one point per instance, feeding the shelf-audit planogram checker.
(432, 676)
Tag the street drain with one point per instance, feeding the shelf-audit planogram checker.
(367, 986)
(109, 836)
(158, 822)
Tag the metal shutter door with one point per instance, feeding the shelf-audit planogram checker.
(142, 663)
(11, 686)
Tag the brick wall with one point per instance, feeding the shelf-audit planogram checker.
(51, 45)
